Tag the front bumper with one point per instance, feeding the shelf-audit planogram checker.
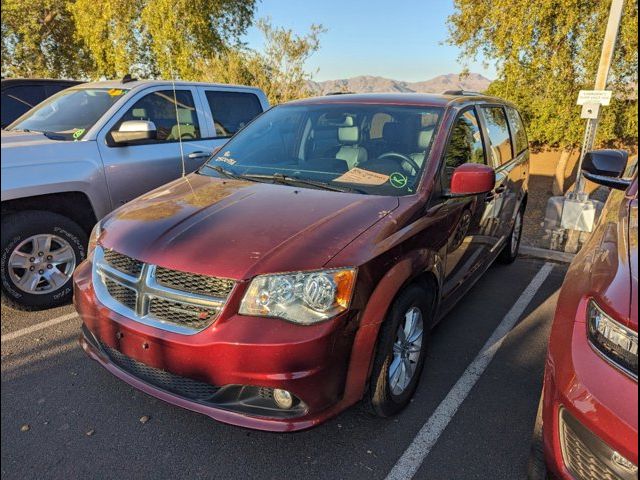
(233, 361)
(590, 409)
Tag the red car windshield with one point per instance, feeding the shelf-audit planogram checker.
(376, 149)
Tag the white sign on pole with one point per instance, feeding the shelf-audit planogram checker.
(603, 97)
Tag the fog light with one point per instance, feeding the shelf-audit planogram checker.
(282, 398)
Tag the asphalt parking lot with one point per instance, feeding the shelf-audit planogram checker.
(84, 423)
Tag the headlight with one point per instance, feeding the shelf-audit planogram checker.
(93, 238)
(612, 339)
(300, 297)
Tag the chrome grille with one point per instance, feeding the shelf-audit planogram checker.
(121, 262)
(194, 283)
(586, 456)
(124, 295)
(172, 301)
(186, 314)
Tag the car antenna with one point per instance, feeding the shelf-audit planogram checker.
(175, 103)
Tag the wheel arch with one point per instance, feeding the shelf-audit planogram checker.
(73, 205)
(423, 268)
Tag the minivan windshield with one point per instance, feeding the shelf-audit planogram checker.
(69, 114)
(375, 149)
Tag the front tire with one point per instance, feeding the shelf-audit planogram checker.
(401, 351)
(40, 251)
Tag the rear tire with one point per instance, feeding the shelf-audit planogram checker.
(512, 246)
(386, 397)
(49, 246)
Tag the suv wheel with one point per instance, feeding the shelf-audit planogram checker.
(40, 251)
(512, 246)
(400, 352)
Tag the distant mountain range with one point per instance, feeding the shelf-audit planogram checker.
(366, 83)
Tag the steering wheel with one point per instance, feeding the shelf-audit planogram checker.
(401, 158)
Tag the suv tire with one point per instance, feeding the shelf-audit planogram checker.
(64, 243)
(384, 397)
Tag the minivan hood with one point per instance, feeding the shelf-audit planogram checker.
(237, 229)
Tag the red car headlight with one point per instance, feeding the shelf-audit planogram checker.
(611, 339)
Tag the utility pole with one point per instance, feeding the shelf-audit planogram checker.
(606, 58)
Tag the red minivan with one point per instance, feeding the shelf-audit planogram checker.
(587, 426)
(301, 269)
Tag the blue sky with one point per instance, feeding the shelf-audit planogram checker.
(401, 39)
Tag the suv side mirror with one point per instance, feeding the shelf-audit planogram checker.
(133, 131)
(472, 179)
(606, 167)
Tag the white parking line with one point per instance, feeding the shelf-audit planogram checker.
(37, 326)
(414, 455)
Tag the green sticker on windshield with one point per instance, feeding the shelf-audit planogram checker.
(77, 134)
(398, 180)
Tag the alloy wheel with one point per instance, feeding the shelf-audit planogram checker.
(406, 351)
(41, 264)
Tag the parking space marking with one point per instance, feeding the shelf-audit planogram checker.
(410, 461)
(37, 326)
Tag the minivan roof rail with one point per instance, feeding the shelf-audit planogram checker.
(462, 92)
(339, 93)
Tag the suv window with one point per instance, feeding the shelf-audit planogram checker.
(175, 117)
(465, 145)
(519, 132)
(499, 137)
(232, 110)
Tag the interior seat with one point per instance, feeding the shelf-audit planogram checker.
(424, 142)
(350, 151)
(185, 127)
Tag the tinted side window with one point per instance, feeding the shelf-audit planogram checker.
(465, 144)
(499, 137)
(519, 132)
(18, 100)
(232, 110)
(174, 118)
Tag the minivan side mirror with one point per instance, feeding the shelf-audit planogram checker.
(606, 167)
(472, 179)
(133, 131)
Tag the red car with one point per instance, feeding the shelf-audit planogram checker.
(587, 424)
(301, 269)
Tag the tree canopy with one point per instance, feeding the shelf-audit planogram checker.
(545, 52)
(89, 39)
(279, 69)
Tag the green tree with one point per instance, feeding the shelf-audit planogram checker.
(279, 69)
(38, 40)
(109, 38)
(546, 51)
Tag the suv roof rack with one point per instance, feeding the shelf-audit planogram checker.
(462, 92)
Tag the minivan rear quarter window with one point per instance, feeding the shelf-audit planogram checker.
(232, 110)
(499, 137)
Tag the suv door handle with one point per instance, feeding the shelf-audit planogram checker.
(198, 155)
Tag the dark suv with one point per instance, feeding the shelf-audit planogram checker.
(22, 94)
(302, 267)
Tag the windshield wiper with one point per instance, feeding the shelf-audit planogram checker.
(286, 180)
(54, 136)
(229, 174)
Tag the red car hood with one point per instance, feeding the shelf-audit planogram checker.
(237, 229)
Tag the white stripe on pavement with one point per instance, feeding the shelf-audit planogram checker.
(37, 326)
(414, 455)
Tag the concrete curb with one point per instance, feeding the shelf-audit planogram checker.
(544, 254)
